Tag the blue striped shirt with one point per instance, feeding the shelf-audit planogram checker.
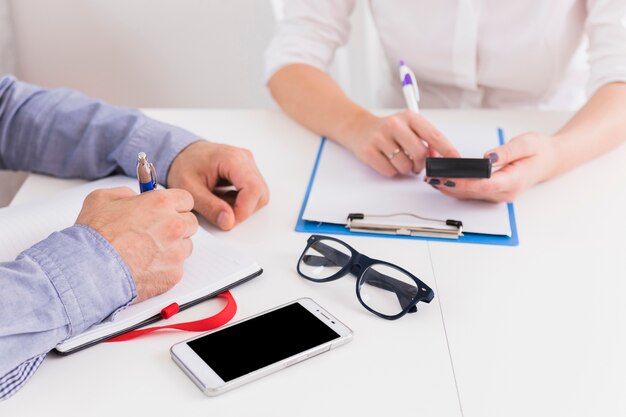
(74, 278)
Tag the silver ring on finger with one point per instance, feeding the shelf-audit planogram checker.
(393, 153)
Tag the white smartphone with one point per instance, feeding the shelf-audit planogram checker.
(251, 348)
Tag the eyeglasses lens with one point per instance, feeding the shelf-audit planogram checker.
(386, 289)
(323, 259)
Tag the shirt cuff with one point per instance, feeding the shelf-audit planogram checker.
(161, 142)
(90, 278)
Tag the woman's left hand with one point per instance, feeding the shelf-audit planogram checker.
(524, 161)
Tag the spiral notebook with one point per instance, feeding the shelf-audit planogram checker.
(212, 268)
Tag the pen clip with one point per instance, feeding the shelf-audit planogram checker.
(146, 173)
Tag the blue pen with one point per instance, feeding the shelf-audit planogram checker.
(146, 174)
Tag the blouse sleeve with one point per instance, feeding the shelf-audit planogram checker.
(309, 33)
(606, 28)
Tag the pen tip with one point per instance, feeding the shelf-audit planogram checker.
(402, 62)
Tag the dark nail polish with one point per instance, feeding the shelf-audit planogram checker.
(450, 184)
(493, 157)
(434, 186)
(434, 181)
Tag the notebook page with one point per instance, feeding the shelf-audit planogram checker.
(211, 267)
(344, 185)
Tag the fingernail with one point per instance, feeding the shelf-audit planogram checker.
(434, 181)
(434, 186)
(493, 157)
(222, 220)
(450, 184)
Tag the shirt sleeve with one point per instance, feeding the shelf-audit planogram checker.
(606, 28)
(309, 33)
(53, 291)
(66, 134)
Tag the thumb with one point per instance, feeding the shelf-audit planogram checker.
(217, 211)
(517, 148)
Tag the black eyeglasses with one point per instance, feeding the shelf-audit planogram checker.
(383, 288)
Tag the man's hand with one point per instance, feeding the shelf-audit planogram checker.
(203, 166)
(151, 232)
(396, 144)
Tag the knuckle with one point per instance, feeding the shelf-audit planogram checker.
(194, 222)
(233, 152)
(181, 254)
(485, 187)
(421, 152)
(264, 200)
(392, 122)
(376, 142)
(160, 197)
(405, 166)
(247, 153)
(186, 195)
(436, 136)
(176, 228)
(176, 256)
(370, 153)
(96, 195)
(175, 276)
(388, 171)
(525, 144)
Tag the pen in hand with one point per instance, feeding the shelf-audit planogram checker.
(146, 174)
(409, 87)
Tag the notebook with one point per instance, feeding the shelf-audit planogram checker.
(212, 268)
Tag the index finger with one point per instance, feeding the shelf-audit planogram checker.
(431, 135)
(181, 200)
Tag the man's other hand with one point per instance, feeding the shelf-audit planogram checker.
(203, 167)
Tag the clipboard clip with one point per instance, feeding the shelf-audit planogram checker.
(447, 229)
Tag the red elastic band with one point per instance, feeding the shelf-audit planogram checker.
(203, 325)
(169, 311)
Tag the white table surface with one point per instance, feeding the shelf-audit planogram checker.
(538, 329)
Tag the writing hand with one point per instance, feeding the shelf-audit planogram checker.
(151, 232)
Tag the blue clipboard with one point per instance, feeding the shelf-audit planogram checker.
(338, 229)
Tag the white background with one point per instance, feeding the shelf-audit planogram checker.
(164, 53)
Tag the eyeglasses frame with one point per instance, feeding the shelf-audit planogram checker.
(363, 262)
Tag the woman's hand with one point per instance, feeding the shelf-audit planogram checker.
(524, 161)
(396, 144)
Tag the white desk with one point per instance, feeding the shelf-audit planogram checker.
(534, 330)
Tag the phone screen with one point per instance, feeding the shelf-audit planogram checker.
(261, 341)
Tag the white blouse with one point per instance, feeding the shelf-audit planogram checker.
(471, 53)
